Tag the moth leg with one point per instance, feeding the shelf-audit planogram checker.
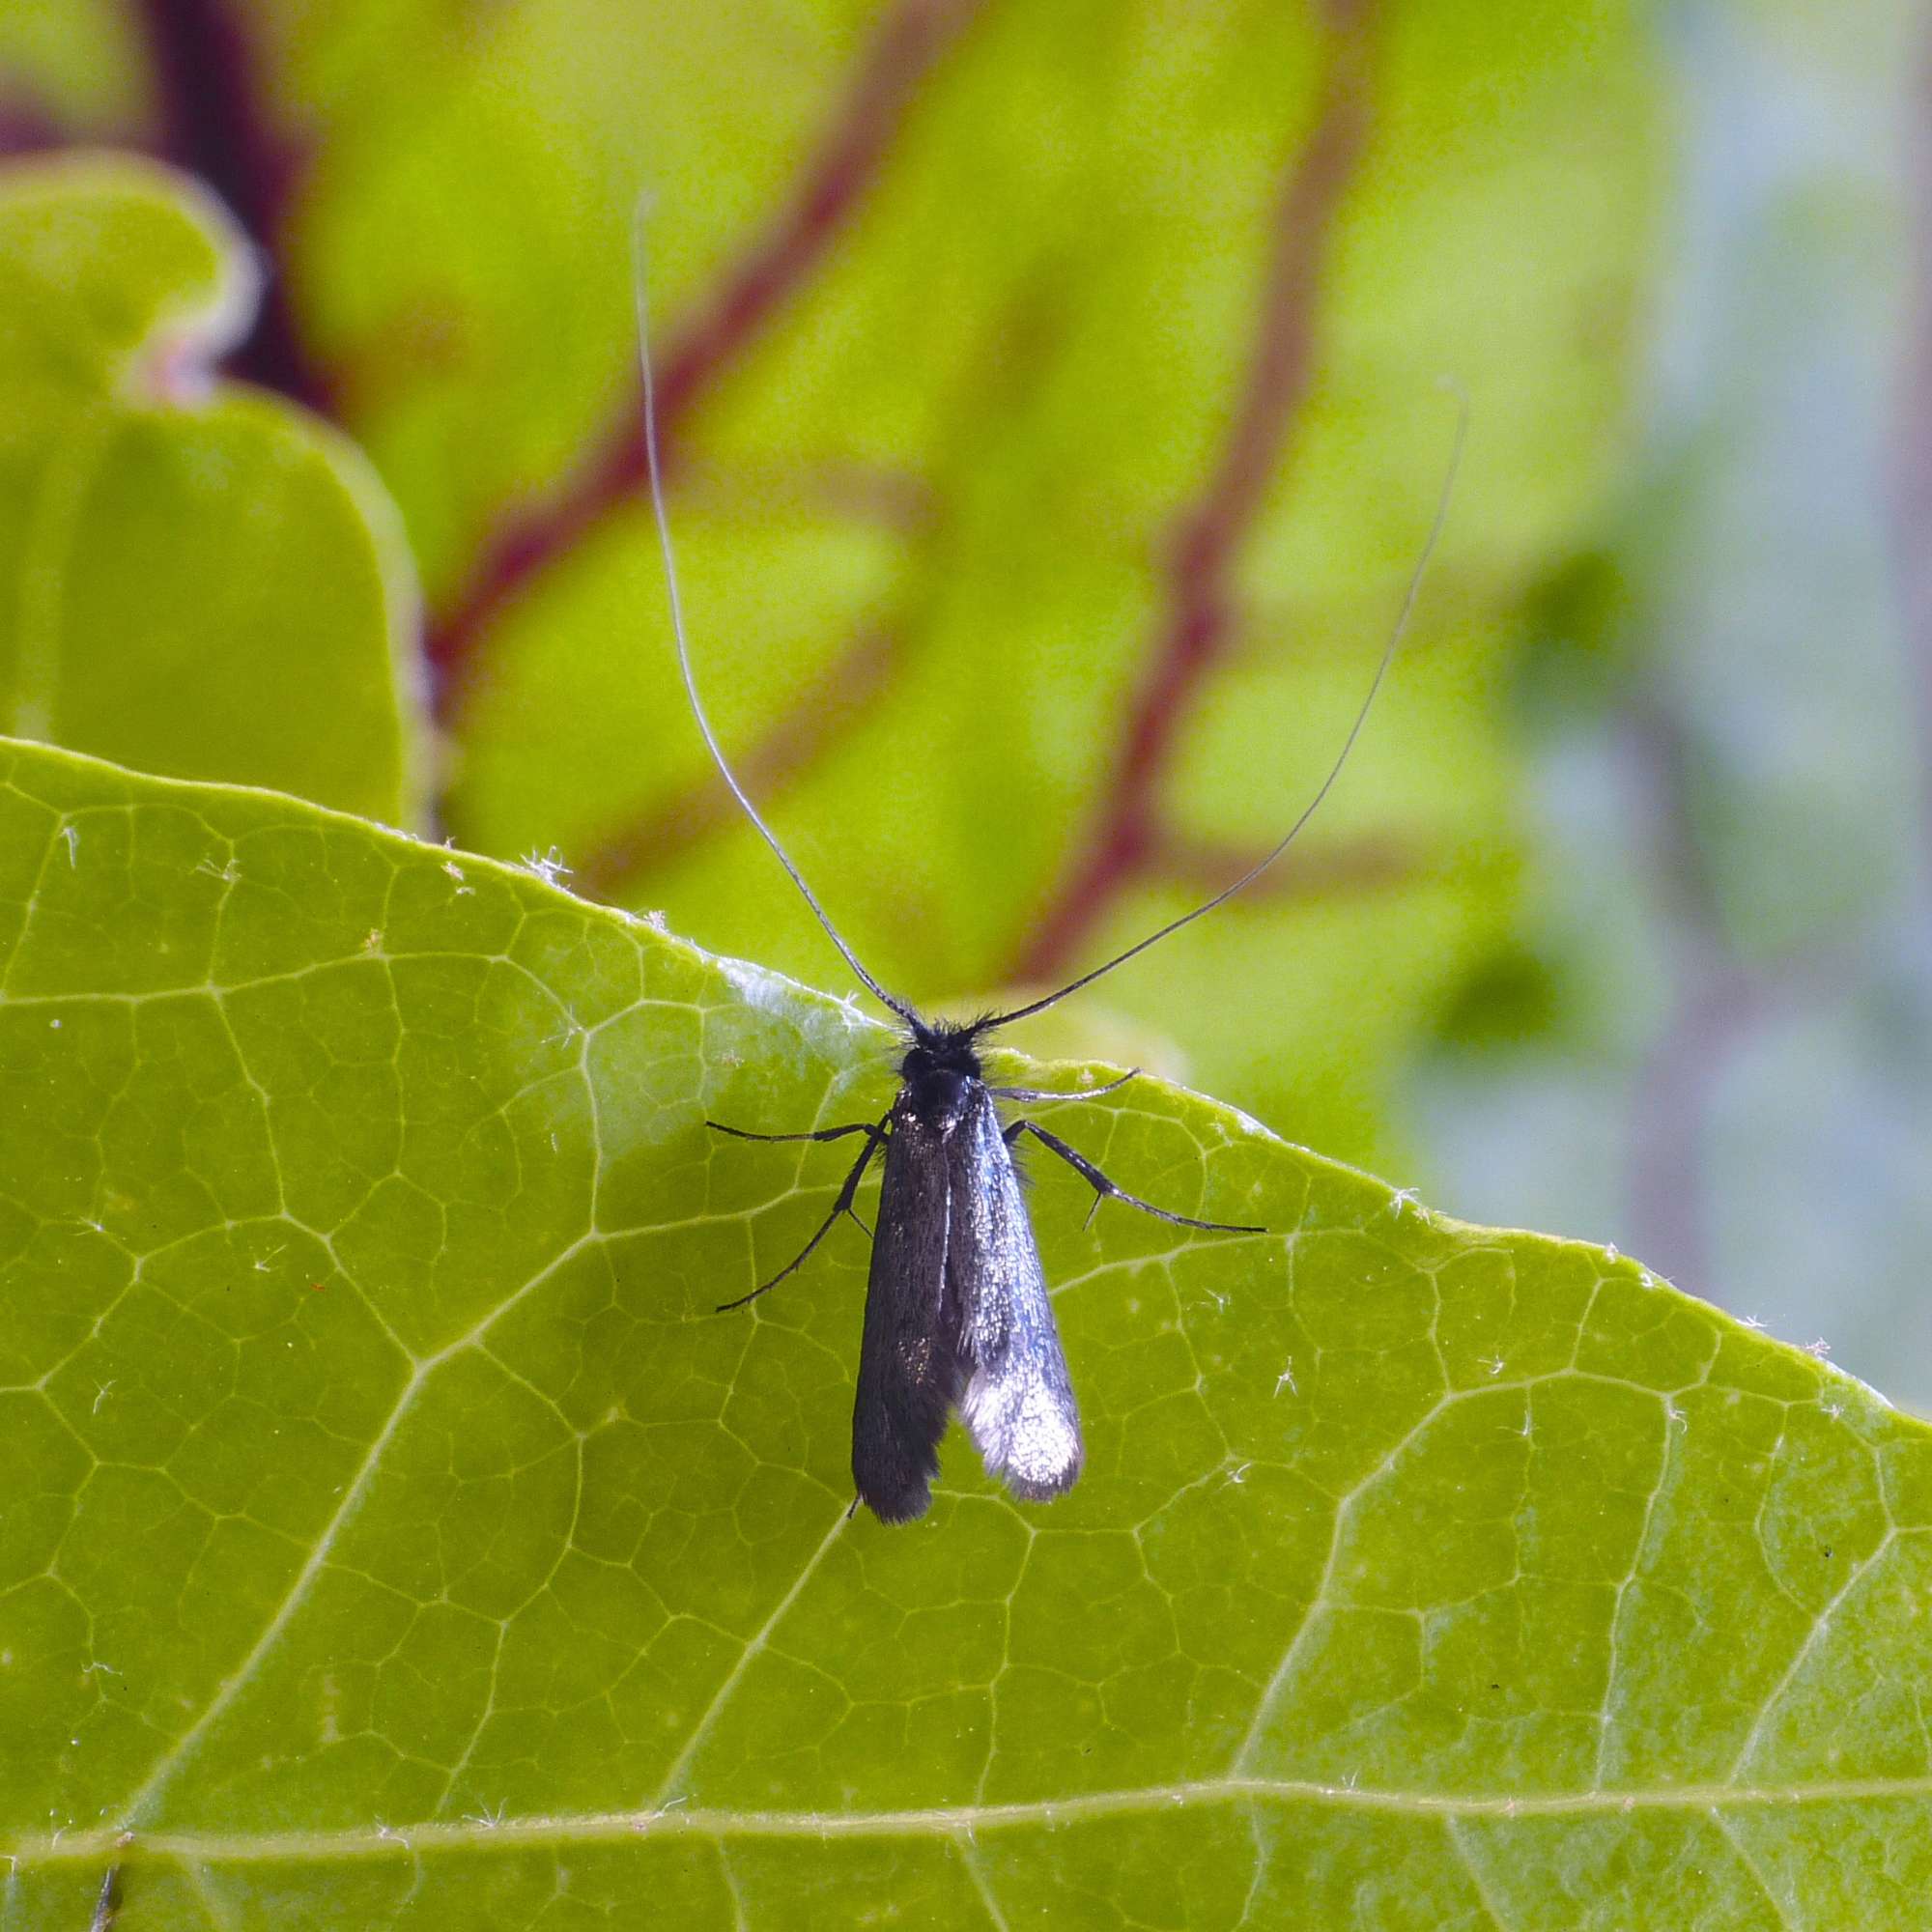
(1040, 1093)
(107, 1904)
(1102, 1187)
(821, 1134)
(875, 1138)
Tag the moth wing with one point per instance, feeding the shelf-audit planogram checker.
(910, 1369)
(1018, 1401)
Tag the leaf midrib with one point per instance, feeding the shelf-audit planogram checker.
(938, 1821)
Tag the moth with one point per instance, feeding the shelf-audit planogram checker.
(958, 1312)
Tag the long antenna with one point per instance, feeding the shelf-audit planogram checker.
(1309, 811)
(654, 470)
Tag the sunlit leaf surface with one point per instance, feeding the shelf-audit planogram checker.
(391, 1532)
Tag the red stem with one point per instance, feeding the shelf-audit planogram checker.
(1196, 629)
(904, 52)
(213, 124)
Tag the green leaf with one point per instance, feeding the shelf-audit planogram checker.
(195, 578)
(393, 1534)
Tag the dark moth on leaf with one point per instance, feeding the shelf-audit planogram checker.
(957, 1314)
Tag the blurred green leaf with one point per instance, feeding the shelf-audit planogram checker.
(393, 1534)
(195, 578)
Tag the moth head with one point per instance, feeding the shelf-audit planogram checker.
(940, 1047)
(941, 1069)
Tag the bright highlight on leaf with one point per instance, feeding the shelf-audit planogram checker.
(392, 1534)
